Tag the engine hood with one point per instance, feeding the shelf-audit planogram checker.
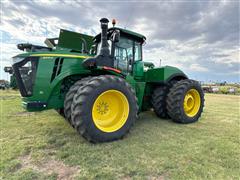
(48, 55)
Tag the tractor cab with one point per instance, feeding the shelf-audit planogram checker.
(124, 49)
(117, 48)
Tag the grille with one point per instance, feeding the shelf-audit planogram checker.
(57, 68)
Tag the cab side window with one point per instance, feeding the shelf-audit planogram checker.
(138, 52)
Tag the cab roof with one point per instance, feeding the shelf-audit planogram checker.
(124, 32)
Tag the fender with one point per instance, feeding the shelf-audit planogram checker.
(164, 74)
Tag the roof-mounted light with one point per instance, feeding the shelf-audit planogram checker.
(113, 22)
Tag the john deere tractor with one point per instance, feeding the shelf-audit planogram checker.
(100, 84)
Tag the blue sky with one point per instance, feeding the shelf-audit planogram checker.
(200, 37)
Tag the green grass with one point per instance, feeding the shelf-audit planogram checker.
(43, 146)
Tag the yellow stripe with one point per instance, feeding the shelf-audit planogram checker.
(60, 55)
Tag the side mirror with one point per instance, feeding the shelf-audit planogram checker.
(130, 61)
(116, 36)
(93, 49)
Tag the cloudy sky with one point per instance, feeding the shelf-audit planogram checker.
(200, 37)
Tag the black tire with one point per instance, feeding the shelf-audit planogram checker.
(69, 98)
(83, 103)
(159, 98)
(159, 101)
(175, 101)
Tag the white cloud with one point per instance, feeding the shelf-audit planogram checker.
(198, 68)
(196, 37)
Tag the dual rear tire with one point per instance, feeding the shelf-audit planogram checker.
(183, 101)
(159, 99)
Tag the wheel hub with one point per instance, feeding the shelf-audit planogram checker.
(102, 107)
(110, 111)
(191, 103)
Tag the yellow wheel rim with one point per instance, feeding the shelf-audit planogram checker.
(192, 102)
(110, 111)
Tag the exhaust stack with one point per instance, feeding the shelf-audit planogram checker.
(103, 58)
(104, 43)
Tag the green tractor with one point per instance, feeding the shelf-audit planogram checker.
(100, 84)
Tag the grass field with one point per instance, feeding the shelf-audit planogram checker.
(43, 146)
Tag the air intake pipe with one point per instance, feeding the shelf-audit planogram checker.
(104, 51)
(103, 58)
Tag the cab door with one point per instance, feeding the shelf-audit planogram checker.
(123, 56)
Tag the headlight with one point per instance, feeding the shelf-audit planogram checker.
(17, 59)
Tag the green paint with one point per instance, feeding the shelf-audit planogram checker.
(138, 72)
(53, 79)
(162, 73)
(74, 41)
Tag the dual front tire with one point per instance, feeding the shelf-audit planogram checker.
(103, 108)
(69, 98)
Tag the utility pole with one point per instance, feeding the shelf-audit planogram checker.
(160, 62)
